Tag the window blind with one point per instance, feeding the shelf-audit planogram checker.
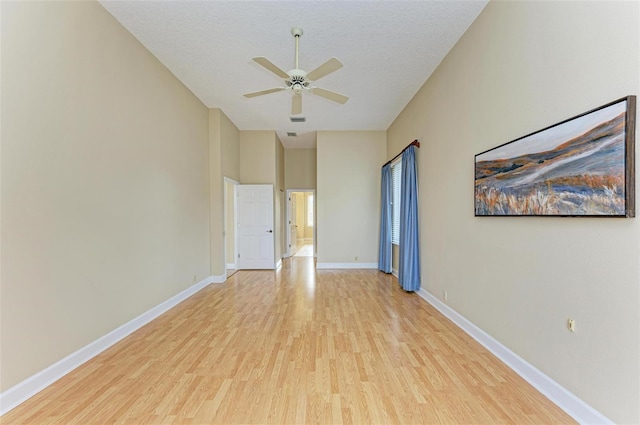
(396, 178)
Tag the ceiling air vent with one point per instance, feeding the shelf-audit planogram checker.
(298, 119)
(290, 134)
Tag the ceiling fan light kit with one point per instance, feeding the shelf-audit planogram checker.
(299, 81)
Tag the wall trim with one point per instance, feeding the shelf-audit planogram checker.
(217, 279)
(395, 273)
(231, 266)
(278, 264)
(346, 265)
(560, 396)
(26, 389)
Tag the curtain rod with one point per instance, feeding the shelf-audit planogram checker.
(414, 143)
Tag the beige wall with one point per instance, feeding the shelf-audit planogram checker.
(230, 148)
(395, 257)
(104, 182)
(257, 157)
(521, 67)
(300, 168)
(348, 195)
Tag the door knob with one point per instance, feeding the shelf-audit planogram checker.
(270, 231)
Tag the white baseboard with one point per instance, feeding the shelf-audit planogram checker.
(278, 264)
(231, 266)
(217, 279)
(564, 399)
(346, 265)
(26, 389)
(395, 273)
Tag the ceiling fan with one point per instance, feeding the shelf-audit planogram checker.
(298, 80)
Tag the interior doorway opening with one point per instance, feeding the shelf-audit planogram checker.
(230, 222)
(301, 223)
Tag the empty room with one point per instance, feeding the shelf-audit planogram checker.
(319, 212)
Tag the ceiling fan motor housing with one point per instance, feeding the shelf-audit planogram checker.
(297, 80)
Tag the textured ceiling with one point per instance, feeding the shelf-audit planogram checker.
(388, 48)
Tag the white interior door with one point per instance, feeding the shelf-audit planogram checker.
(293, 226)
(255, 226)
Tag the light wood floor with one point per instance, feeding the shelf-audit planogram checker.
(304, 250)
(296, 346)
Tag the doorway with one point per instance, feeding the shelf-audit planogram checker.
(230, 222)
(301, 223)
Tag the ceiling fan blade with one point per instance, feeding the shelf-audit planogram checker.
(335, 97)
(296, 104)
(271, 67)
(260, 93)
(326, 68)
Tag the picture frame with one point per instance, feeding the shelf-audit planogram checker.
(583, 166)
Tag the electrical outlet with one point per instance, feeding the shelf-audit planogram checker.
(571, 324)
(445, 295)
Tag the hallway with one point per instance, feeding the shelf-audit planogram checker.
(305, 250)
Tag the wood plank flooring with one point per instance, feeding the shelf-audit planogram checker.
(292, 347)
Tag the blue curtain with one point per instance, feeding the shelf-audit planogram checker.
(384, 251)
(409, 270)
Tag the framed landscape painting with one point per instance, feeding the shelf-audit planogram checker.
(583, 166)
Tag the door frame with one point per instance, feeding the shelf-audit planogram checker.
(235, 223)
(288, 218)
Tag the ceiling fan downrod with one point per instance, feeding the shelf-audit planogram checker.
(296, 32)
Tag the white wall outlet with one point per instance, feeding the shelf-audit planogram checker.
(571, 324)
(445, 295)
